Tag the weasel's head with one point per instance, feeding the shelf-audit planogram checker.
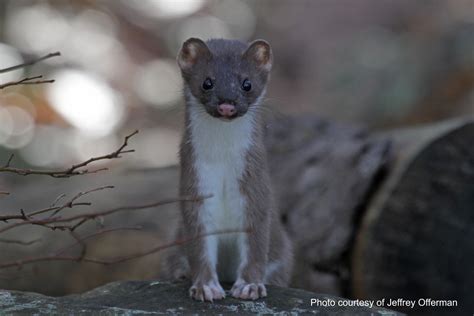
(225, 76)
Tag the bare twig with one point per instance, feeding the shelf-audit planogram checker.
(75, 169)
(93, 215)
(59, 198)
(70, 203)
(23, 216)
(169, 245)
(9, 161)
(56, 209)
(81, 240)
(54, 257)
(29, 63)
(26, 81)
(6, 218)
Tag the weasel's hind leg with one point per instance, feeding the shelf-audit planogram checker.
(175, 265)
(278, 273)
(178, 266)
(280, 259)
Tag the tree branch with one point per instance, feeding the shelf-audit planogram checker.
(26, 81)
(80, 258)
(81, 240)
(53, 208)
(75, 169)
(29, 63)
(89, 216)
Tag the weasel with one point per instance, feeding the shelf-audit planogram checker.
(222, 155)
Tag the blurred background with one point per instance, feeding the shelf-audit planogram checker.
(378, 63)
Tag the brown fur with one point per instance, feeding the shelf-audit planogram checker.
(267, 241)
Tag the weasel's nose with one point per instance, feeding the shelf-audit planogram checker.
(226, 110)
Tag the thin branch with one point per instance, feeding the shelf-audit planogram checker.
(22, 262)
(5, 218)
(81, 240)
(59, 198)
(24, 216)
(29, 63)
(169, 245)
(9, 161)
(75, 169)
(56, 209)
(70, 203)
(89, 216)
(26, 81)
(115, 154)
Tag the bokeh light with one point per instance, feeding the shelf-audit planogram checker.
(238, 16)
(204, 27)
(158, 83)
(37, 28)
(86, 101)
(150, 145)
(9, 57)
(164, 8)
(50, 146)
(16, 127)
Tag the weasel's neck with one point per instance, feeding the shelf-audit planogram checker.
(215, 140)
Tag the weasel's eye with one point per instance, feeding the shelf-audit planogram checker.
(207, 84)
(246, 85)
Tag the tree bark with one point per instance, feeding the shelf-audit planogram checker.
(416, 237)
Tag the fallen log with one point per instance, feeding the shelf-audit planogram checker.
(416, 238)
(323, 173)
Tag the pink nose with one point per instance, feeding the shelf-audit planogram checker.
(226, 110)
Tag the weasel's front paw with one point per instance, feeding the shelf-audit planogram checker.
(206, 292)
(248, 291)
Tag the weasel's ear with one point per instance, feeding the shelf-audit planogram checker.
(193, 49)
(260, 52)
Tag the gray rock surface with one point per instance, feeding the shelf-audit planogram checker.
(156, 297)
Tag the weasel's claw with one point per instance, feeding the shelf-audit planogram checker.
(206, 292)
(248, 291)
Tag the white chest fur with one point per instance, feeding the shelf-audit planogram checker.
(220, 150)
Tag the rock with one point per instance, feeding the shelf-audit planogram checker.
(155, 298)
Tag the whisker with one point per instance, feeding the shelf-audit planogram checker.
(267, 112)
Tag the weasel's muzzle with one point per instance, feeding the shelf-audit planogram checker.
(227, 110)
